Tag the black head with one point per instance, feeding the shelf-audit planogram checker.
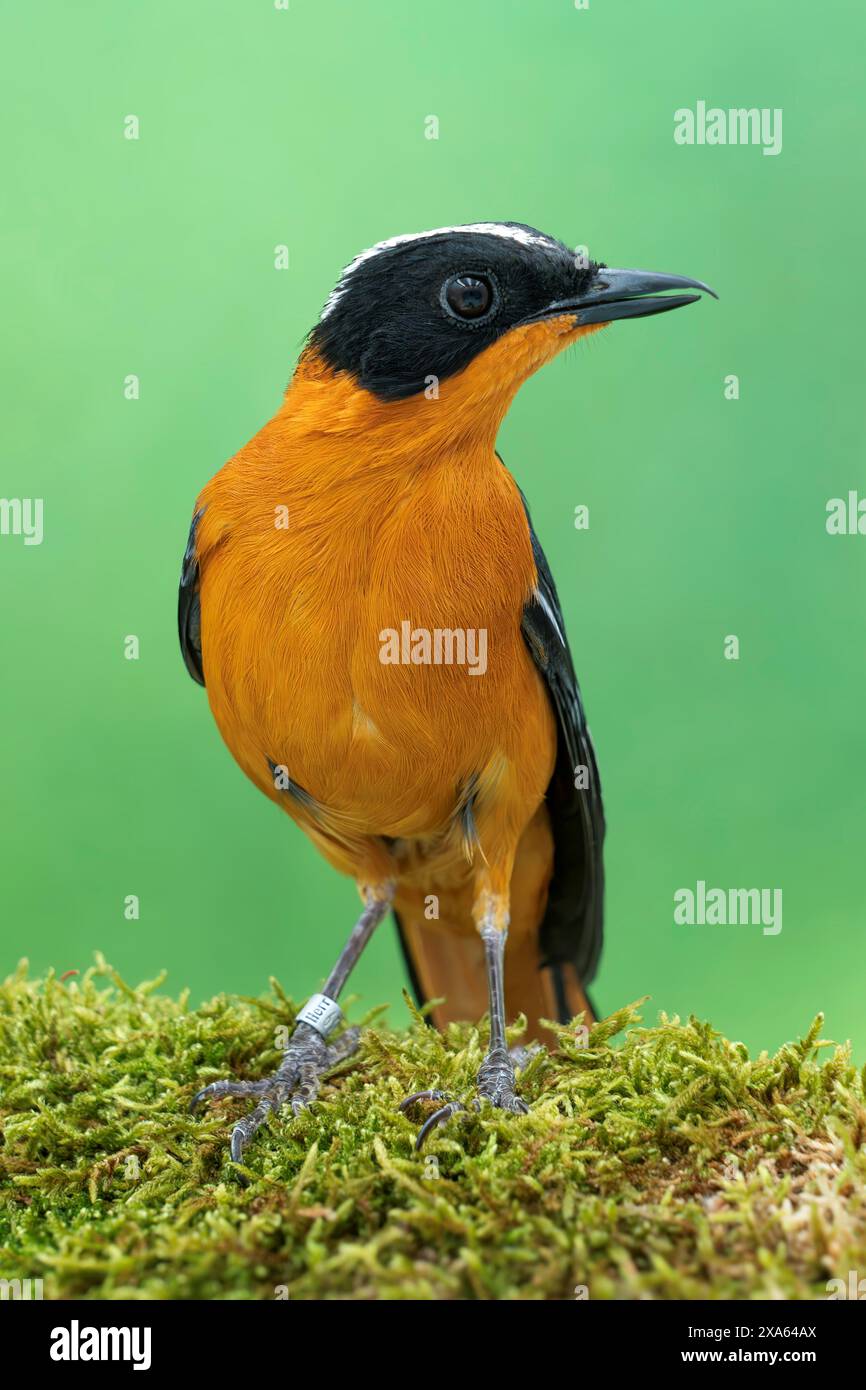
(416, 307)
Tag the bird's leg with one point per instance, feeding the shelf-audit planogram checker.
(495, 1077)
(308, 1055)
(496, 1073)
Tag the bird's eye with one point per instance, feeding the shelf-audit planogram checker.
(468, 296)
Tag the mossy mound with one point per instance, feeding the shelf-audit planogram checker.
(668, 1166)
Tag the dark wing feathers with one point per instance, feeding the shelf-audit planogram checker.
(572, 926)
(189, 607)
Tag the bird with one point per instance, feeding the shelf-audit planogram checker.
(384, 652)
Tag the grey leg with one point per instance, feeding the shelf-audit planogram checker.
(375, 909)
(496, 1074)
(308, 1055)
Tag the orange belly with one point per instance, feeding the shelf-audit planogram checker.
(304, 572)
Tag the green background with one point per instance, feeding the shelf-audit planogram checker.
(707, 516)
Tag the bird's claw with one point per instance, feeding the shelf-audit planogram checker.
(495, 1084)
(439, 1117)
(307, 1058)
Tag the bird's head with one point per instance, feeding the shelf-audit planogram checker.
(466, 314)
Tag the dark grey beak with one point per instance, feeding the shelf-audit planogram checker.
(626, 294)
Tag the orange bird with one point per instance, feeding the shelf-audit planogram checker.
(384, 652)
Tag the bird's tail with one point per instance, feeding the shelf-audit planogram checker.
(449, 965)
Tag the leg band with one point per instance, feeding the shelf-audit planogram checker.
(321, 1013)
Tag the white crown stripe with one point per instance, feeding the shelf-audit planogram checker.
(519, 234)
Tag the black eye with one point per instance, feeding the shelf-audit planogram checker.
(467, 296)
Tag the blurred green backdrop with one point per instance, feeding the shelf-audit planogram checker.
(306, 127)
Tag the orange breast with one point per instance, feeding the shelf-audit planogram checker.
(329, 556)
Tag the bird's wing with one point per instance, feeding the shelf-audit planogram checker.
(189, 607)
(573, 923)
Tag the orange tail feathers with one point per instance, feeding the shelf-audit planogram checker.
(445, 955)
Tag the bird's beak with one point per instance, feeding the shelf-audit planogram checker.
(625, 294)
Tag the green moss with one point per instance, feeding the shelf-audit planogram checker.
(669, 1166)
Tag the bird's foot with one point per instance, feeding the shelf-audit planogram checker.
(495, 1083)
(307, 1058)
